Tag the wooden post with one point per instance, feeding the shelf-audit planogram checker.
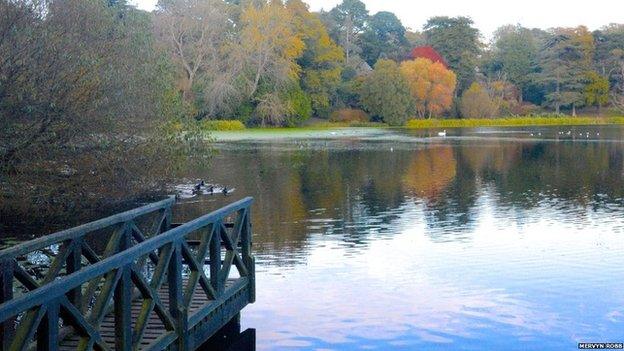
(215, 259)
(123, 299)
(48, 331)
(73, 264)
(177, 309)
(7, 328)
(248, 259)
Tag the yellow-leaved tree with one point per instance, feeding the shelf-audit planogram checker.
(269, 47)
(321, 59)
(431, 84)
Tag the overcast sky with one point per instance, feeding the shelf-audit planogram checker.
(489, 15)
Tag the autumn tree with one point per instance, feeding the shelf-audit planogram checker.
(476, 102)
(427, 52)
(457, 41)
(269, 47)
(321, 60)
(431, 86)
(386, 94)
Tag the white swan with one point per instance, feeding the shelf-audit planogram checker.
(442, 134)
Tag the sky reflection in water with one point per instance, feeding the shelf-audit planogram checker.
(390, 240)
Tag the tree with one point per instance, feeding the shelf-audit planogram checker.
(85, 101)
(384, 37)
(385, 93)
(618, 75)
(349, 21)
(269, 47)
(321, 60)
(596, 91)
(566, 57)
(196, 33)
(457, 41)
(429, 53)
(515, 54)
(477, 103)
(608, 39)
(431, 86)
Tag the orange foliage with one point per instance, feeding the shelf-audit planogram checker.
(430, 172)
(431, 85)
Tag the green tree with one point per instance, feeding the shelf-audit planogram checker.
(457, 41)
(384, 37)
(608, 39)
(346, 22)
(385, 93)
(515, 54)
(596, 91)
(566, 58)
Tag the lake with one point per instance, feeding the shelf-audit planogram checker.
(487, 239)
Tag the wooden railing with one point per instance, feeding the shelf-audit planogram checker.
(126, 279)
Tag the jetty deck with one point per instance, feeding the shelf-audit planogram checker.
(132, 281)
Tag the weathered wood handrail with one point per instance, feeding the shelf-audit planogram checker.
(136, 268)
(85, 229)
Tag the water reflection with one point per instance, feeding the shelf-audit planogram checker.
(487, 239)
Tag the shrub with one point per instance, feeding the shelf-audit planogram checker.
(221, 125)
(349, 115)
(477, 103)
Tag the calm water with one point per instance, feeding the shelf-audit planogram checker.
(484, 240)
(487, 239)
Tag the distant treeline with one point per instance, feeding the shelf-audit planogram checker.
(278, 63)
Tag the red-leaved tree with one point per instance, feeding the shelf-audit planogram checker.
(429, 53)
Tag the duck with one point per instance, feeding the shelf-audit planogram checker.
(442, 133)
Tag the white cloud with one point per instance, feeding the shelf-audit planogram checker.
(489, 15)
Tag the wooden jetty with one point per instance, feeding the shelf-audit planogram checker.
(132, 281)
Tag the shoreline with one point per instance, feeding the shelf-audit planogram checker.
(439, 123)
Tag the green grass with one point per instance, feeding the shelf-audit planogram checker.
(510, 122)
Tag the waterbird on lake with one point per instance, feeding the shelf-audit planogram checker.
(197, 187)
(226, 191)
(442, 134)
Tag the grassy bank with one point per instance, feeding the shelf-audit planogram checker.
(510, 122)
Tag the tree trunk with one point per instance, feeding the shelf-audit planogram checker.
(573, 110)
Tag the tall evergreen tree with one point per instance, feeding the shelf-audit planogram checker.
(457, 41)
